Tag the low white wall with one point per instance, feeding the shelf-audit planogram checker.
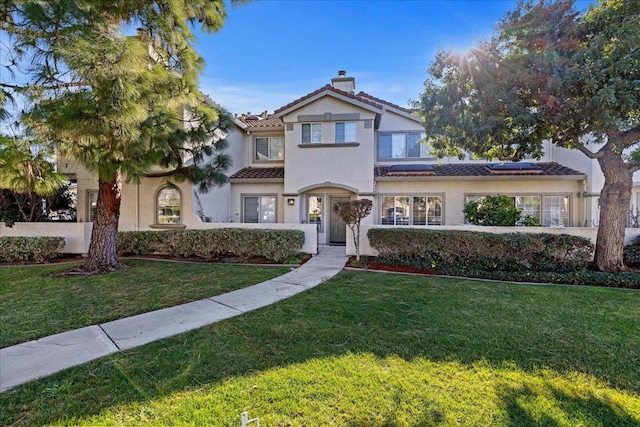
(77, 235)
(588, 232)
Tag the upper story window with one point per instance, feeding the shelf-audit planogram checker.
(402, 145)
(269, 149)
(311, 132)
(168, 206)
(346, 132)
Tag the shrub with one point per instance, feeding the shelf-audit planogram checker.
(632, 253)
(496, 210)
(469, 250)
(37, 249)
(274, 245)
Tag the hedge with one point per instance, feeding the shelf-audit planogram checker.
(632, 253)
(274, 245)
(462, 251)
(36, 249)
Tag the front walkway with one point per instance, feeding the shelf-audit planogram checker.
(26, 362)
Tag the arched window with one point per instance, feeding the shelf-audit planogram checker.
(168, 206)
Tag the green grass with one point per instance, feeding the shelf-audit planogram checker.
(34, 304)
(368, 349)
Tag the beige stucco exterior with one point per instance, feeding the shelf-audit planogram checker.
(328, 169)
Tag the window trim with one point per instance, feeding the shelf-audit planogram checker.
(542, 196)
(243, 196)
(269, 138)
(322, 208)
(411, 197)
(345, 123)
(406, 146)
(156, 222)
(311, 126)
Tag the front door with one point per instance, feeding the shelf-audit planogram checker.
(338, 228)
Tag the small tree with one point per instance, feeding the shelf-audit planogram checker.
(352, 213)
(496, 210)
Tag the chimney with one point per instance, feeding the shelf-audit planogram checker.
(344, 83)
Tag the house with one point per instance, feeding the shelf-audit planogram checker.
(337, 143)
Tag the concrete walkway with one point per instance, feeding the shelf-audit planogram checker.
(26, 362)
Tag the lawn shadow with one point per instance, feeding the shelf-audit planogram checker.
(526, 327)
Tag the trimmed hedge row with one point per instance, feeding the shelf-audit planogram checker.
(37, 249)
(632, 253)
(466, 251)
(274, 245)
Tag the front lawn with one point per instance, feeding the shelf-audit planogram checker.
(367, 349)
(35, 303)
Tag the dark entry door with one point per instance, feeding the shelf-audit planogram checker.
(338, 228)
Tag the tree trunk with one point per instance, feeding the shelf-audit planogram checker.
(103, 255)
(614, 208)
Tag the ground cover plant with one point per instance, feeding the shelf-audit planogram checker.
(37, 301)
(372, 349)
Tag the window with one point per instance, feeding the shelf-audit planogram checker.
(550, 210)
(555, 211)
(311, 132)
(346, 132)
(168, 206)
(271, 148)
(92, 203)
(314, 211)
(411, 210)
(259, 209)
(402, 145)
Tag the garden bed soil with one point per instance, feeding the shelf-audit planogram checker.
(371, 264)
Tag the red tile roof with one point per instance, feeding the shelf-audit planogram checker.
(481, 169)
(328, 87)
(382, 101)
(259, 173)
(265, 123)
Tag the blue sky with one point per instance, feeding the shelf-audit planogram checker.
(271, 52)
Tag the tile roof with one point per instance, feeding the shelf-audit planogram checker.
(367, 100)
(382, 101)
(265, 123)
(480, 169)
(259, 173)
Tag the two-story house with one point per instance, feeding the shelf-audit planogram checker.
(336, 143)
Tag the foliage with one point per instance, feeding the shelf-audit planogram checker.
(441, 250)
(498, 210)
(16, 207)
(274, 245)
(632, 253)
(367, 349)
(353, 212)
(120, 104)
(37, 249)
(548, 73)
(27, 176)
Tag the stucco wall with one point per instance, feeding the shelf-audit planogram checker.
(78, 235)
(312, 163)
(454, 192)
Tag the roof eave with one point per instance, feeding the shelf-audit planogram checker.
(332, 93)
(483, 178)
(256, 180)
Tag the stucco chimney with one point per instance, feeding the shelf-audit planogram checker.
(344, 83)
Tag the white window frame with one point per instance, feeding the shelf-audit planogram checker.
(400, 144)
(411, 217)
(545, 208)
(159, 216)
(273, 143)
(315, 133)
(261, 219)
(349, 132)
